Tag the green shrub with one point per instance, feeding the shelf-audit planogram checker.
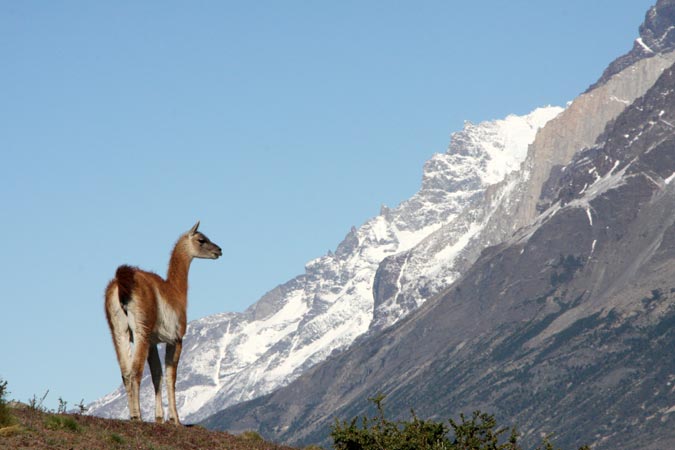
(251, 436)
(59, 422)
(6, 418)
(379, 433)
(116, 439)
(480, 432)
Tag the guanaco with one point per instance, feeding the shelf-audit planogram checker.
(144, 310)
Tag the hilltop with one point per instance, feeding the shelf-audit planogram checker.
(35, 428)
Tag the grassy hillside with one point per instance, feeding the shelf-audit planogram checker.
(31, 428)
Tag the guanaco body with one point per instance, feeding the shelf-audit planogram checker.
(144, 310)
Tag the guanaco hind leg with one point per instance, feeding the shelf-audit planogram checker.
(121, 336)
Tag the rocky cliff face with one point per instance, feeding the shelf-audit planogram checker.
(230, 358)
(405, 280)
(475, 166)
(566, 327)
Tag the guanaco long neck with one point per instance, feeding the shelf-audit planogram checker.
(179, 266)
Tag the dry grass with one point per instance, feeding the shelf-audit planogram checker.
(34, 429)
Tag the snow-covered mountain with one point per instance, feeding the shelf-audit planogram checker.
(565, 325)
(229, 358)
(564, 328)
(405, 280)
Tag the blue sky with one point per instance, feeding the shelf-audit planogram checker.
(278, 124)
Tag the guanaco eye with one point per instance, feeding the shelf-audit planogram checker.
(201, 240)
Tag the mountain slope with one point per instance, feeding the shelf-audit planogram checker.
(566, 327)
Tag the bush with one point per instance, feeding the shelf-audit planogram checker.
(6, 418)
(116, 439)
(480, 432)
(61, 422)
(379, 433)
(251, 436)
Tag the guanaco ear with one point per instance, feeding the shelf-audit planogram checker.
(194, 229)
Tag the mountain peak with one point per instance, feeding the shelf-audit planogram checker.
(657, 32)
(657, 35)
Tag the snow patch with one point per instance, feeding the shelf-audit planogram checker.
(588, 213)
(508, 140)
(408, 239)
(450, 252)
(643, 45)
(399, 286)
(620, 100)
(665, 33)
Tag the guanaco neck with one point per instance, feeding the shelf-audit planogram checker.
(179, 266)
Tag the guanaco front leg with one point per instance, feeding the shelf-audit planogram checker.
(156, 372)
(172, 357)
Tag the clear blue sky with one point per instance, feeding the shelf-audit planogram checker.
(278, 124)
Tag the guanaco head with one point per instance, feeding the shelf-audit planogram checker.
(200, 246)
